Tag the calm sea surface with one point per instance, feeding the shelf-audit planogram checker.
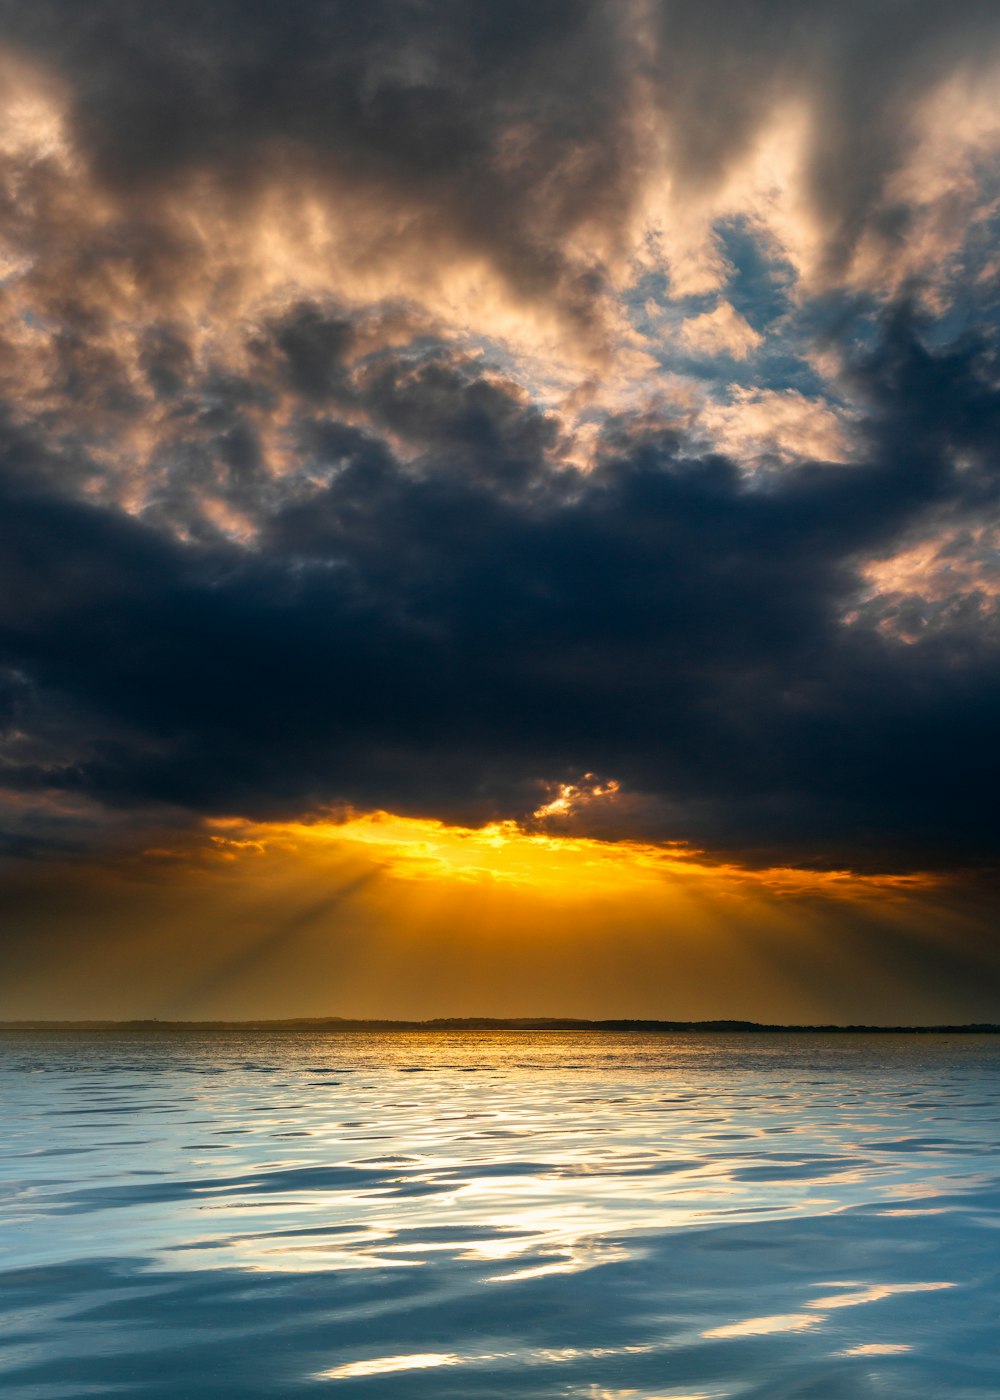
(560, 1214)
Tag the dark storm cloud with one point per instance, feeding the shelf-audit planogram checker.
(432, 110)
(266, 547)
(497, 131)
(430, 637)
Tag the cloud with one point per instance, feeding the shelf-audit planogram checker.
(784, 425)
(947, 581)
(436, 615)
(720, 332)
(507, 167)
(334, 469)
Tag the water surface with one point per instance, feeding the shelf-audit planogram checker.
(503, 1214)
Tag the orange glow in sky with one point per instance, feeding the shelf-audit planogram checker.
(382, 915)
(503, 856)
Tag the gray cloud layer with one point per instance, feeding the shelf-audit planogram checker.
(263, 552)
(439, 634)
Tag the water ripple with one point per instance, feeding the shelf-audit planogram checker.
(586, 1215)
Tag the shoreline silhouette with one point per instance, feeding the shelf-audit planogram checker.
(490, 1023)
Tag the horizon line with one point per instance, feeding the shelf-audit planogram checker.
(720, 1025)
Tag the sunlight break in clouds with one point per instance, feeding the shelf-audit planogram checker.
(499, 680)
(570, 867)
(423, 411)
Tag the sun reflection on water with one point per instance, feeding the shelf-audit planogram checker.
(595, 1210)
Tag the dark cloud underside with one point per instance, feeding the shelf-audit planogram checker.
(438, 636)
(288, 524)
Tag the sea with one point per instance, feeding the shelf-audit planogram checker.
(428, 1216)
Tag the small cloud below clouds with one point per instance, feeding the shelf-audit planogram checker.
(943, 583)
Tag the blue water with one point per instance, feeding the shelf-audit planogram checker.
(616, 1217)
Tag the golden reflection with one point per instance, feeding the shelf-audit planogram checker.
(927, 1210)
(876, 1349)
(383, 1365)
(873, 1293)
(585, 1254)
(530, 1356)
(765, 1326)
(602, 1393)
(800, 1321)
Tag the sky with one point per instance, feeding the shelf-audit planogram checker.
(499, 509)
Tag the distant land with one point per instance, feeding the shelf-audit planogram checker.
(490, 1023)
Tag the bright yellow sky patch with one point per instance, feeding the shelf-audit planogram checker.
(385, 915)
(502, 854)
